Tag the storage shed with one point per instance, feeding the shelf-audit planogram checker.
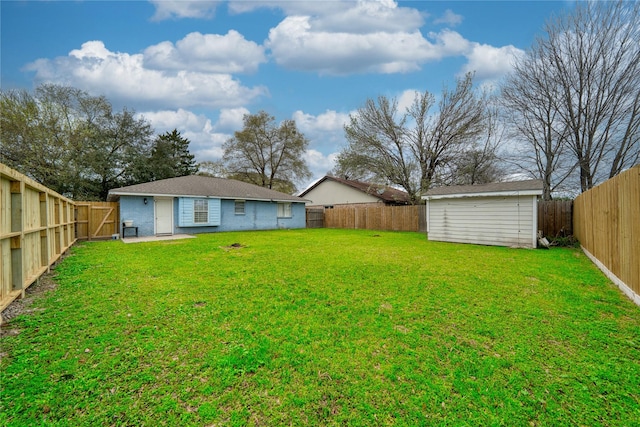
(501, 214)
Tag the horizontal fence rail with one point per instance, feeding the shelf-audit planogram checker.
(36, 228)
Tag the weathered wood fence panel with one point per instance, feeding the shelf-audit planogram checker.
(555, 218)
(315, 217)
(392, 218)
(36, 228)
(606, 221)
(97, 220)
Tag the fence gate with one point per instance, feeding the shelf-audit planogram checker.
(315, 218)
(97, 220)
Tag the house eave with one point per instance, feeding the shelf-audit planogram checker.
(117, 194)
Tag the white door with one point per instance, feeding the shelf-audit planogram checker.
(164, 216)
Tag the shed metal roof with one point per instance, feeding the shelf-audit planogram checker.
(532, 186)
(203, 186)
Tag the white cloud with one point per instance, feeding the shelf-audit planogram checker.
(123, 76)
(167, 120)
(325, 131)
(450, 43)
(289, 7)
(211, 53)
(319, 161)
(368, 17)
(489, 62)
(335, 38)
(295, 44)
(449, 18)
(374, 37)
(166, 9)
(231, 119)
(319, 164)
(205, 136)
(329, 121)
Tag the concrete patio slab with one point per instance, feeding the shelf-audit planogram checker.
(156, 238)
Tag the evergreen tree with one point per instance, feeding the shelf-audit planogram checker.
(170, 156)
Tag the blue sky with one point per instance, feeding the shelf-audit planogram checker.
(199, 66)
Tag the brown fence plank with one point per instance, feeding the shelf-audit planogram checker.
(315, 217)
(555, 218)
(607, 224)
(392, 218)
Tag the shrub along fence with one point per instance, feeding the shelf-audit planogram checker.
(606, 221)
(36, 228)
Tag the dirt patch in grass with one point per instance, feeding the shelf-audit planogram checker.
(23, 305)
(233, 246)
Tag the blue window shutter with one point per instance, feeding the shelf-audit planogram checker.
(185, 214)
(185, 206)
(214, 212)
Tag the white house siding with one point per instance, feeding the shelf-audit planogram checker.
(334, 193)
(497, 220)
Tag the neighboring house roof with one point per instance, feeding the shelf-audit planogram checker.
(528, 187)
(382, 192)
(203, 186)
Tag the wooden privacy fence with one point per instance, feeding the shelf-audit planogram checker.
(315, 217)
(36, 228)
(392, 218)
(606, 221)
(97, 220)
(555, 218)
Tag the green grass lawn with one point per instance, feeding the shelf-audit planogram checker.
(323, 327)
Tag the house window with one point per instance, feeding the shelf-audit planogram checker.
(239, 207)
(200, 211)
(284, 210)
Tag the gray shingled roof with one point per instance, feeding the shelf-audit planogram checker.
(496, 187)
(203, 186)
(382, 192)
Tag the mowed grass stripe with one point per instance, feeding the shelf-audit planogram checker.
(324, 327)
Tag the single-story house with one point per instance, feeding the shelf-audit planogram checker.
(501, 214)
(330, 191)
(200, 204)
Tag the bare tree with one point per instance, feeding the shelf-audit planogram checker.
(579, 92)
(530, 97)
(267, 154)
(410, 150)
(481, 163)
